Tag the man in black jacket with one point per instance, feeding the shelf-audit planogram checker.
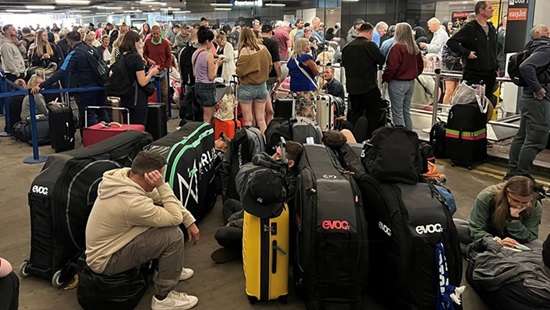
(477, 43)
(534, 104)
(361, 59)
(189, 108)
(77, 71)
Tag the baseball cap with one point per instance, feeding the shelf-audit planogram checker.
(263, 191)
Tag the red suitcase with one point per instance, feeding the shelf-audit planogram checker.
(102, 131)
(227, 127)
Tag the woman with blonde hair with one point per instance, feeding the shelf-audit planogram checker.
(302, 68)
(509, 212)
(226, 53)
(39, 100)
(253, 68)
(403, 65)
(41, 52)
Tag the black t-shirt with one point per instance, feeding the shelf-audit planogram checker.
(273, 48)
(134, 63)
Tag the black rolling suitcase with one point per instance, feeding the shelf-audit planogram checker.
(61, 198)
(62, 127)
(466, 135)
(414, 248)
(156, 120)
(299, 130)
(331, 256)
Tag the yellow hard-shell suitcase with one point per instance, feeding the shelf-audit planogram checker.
(265, 257)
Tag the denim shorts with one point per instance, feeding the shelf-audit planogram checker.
(252, 92)
(205, 94)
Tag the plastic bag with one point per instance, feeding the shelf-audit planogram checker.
(466, 94)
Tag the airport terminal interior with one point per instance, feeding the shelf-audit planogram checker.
(434, 94)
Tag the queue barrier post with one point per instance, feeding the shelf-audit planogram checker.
(5, 105)
(35, 158)
(435, 106)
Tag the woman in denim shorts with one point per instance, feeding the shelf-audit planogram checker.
(205, 68)
(253, 69)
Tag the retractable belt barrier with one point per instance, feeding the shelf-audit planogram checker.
(36, 158)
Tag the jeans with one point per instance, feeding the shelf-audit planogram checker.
(165, 244)
(9, 292)
(92, 99)
(532, 136)
(400, 97)
(367, 105)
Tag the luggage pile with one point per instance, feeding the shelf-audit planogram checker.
(364, 221)
(61, 198)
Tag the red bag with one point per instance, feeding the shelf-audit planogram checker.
(227, 127)
(102, 131)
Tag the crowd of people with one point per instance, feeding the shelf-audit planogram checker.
(259, 56)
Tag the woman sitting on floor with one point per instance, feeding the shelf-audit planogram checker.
(509, 211)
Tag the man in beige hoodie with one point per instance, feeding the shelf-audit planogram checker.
(135, 219)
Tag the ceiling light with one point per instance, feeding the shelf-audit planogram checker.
(221, 4)
(350, 0)
(101, 7)
(184, 12)
(152, 3)
(18, 11)
(73, 2)
(275, 4)
(222, 9)
(40, 7)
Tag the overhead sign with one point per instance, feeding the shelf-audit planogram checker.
(517, 14)
(517, 28)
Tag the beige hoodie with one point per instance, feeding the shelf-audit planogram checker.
(123, 210)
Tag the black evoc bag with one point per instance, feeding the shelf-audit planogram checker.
(191, 166)
(331, 256)
(414, 252)
(61, 198)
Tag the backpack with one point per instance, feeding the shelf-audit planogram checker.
(517, 59)
(118, 84)
(513, 66)
(450, 60)
(98, 66)
(393, 155)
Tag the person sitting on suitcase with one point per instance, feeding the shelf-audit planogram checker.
(136, 219)
(9, 286)
(509, 212)
(230, 235)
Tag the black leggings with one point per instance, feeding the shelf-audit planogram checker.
(9, 292)
(230, 236)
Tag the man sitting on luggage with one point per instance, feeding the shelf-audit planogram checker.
(136, 219)
(230, 235)
(332, 86)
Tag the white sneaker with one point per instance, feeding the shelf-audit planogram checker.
(175, 301)
(186, 273)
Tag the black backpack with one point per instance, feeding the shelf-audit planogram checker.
(518, 58)
(393, 155)
(98, 65)
(118, 84)
(513, 67)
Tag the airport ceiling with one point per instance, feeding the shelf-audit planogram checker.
(91, 7)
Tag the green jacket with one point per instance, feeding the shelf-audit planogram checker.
(523, 230)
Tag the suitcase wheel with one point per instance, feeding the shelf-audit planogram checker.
(56, 279)
(283, 299)
(252, 300)
(23, 272)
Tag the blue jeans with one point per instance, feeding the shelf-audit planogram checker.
(532, 136)
(400, 96)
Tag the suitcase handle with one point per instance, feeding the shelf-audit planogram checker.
(104, 107)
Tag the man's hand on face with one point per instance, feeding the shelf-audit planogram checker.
(154, 178)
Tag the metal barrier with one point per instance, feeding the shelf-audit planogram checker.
(36, 158)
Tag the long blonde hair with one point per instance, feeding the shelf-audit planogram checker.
(299, 46)
(248, 39)
(404, 35)
(40, 44)
(518, 185)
